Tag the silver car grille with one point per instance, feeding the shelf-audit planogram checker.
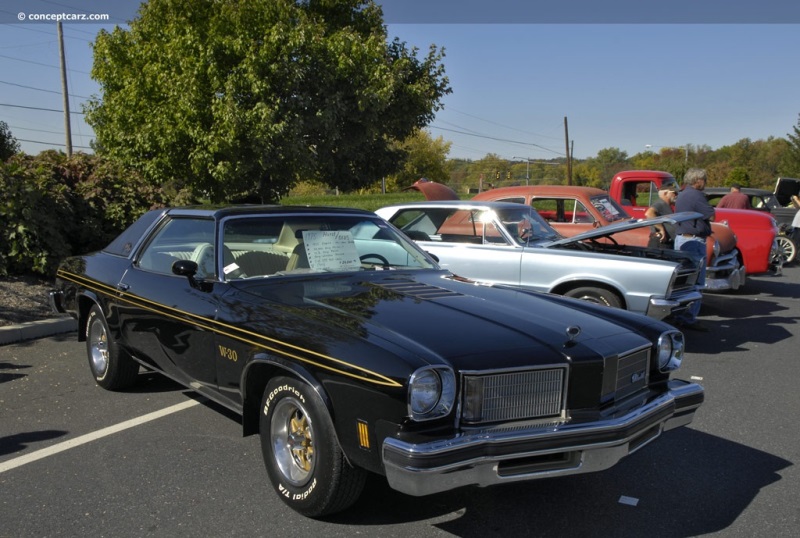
(686, 279)
(518, 395)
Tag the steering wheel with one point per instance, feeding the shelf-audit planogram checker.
(373, 256)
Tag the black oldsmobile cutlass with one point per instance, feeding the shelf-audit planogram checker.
(350, 351)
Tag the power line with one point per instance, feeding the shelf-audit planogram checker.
(49, 143)
(18, 128)
(40, 89)
(43, 64)
(498, 139)
(39, 108)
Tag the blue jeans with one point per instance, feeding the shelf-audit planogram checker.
(697, 249)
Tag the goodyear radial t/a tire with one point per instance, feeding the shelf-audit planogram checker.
(595, 295)
(112, 368)
(303, 459)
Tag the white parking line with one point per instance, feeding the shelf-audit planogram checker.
(89, 437)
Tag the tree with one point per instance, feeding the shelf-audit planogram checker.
(425, 157)
(8, 144)
(237, 99)
(790, 163)
(738, 176)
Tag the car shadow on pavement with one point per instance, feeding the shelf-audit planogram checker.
(734, 323)
(10, 371)
(20, 441)
(688, 483)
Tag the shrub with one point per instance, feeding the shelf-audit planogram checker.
(52, 207)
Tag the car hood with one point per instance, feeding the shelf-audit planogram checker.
(623, 226)
(437, 316)
(785, 188)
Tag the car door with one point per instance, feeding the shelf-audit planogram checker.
(471, 245)
(165, 318)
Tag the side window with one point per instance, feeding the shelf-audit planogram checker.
(181, 239)
(513, 200)
(580, 215)
(549, 209)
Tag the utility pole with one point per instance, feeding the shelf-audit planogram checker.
(64, 89)
(569, 156)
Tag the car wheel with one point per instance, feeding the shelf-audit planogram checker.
(304, 462)
(786, 248)
(599, 296)
(112, 368)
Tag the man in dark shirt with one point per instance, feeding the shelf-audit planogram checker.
(691, 235)
(662, 235)
(735, 199)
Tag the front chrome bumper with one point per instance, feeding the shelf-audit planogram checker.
(503, 456)
(662, 308)
(727, 277)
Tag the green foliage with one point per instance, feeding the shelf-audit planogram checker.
(426, 157)
(241, 99)
(8, 144)
(53, 207)
(790, 161)
(369, 202)
(738, 176)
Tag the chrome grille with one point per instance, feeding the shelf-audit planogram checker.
(685, 279)
(504, 396)
(632, 373)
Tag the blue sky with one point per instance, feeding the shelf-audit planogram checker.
(618, 85)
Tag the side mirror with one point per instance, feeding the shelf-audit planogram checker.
(186, 268)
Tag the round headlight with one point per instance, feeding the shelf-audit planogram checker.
(670, 351)
(426, 389)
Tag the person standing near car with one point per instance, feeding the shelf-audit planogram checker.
(662, 235)
(735, 199)
(691, 235)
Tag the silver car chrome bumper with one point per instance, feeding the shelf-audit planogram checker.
(662, 308)
(504, 456)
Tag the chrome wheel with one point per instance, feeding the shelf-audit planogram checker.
(787, 250)
(292, 437)
(112, 367)
(98, 348)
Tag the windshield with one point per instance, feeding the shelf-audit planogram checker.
(258, 246)
(609, 208)
(526, 225)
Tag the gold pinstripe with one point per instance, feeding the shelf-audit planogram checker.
(224, 329)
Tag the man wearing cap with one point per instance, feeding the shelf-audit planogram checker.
(662, 235)
(735, 199)
(691, 235)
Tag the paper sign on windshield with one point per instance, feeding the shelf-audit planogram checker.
(331, 250)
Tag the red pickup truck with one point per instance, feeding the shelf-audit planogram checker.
(572, 210)
(755, 231)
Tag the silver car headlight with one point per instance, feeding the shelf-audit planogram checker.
(670, 351)
(431, 393)
(716, 249)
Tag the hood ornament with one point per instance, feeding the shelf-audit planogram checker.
(572, 332)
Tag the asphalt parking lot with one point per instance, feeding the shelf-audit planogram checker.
(76, 460)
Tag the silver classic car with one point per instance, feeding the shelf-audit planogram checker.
(497, 242)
